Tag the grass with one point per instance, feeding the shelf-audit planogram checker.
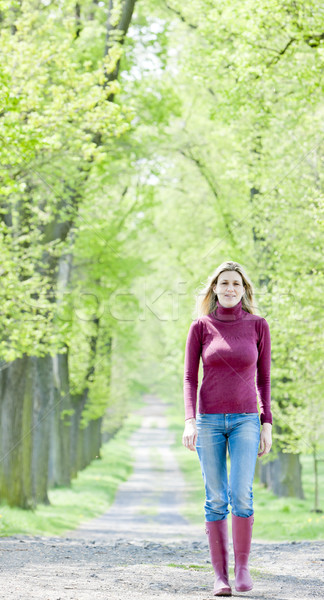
(275, 518)
(90, 494)
(190, 567)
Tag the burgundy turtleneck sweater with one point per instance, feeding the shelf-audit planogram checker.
(234, 346)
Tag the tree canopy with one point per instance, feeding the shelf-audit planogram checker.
(142, 144)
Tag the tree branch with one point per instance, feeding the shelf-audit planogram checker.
(276, 58)
(178, 13)
(117, 33)
(206, 175)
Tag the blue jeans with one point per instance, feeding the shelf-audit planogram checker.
(240, 432)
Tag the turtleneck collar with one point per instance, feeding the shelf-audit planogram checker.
(232, 313)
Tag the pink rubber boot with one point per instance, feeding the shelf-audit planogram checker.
(218, 548)
(242, 535)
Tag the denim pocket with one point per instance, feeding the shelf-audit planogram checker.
(252, 415)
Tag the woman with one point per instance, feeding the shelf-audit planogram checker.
(234, 344)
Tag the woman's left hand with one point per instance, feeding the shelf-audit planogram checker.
(265, 439)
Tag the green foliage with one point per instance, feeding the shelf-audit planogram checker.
(239, 177)
(67, 227)
(208, 147)
(56, 123)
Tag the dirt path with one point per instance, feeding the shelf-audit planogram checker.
(151, 499)
(143, 548)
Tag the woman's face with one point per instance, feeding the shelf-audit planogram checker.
(229, 288)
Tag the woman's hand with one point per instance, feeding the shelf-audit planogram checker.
(265, 439)
(189, 437)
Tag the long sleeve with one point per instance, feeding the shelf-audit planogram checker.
(263, 372)
(191, 369)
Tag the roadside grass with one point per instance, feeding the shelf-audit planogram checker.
(190, 567)
(254, 572)
(90, 494)
(275, 518)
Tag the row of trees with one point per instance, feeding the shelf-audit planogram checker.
(238, 175)
(131, 166)
(60, 250)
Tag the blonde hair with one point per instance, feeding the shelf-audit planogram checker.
(206, 300)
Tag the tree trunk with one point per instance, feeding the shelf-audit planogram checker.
(85, 442)
(76, 448)
(86, 450)
(16, 433)
(283, 475)
(95, 438)
(60, 446)
(316, 460)
(43, 402)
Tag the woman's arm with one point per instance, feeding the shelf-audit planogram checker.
(264, 387)
(263, 372)
(190, 384)
(191, 369)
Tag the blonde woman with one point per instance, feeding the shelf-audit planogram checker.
(234, 344)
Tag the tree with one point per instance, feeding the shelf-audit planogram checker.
(241, 155)
(58, 123)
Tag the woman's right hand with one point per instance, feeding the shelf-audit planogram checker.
(189, 437)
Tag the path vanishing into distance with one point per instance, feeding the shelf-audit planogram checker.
(144, 548)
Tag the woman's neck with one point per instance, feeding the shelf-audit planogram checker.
(230, 313)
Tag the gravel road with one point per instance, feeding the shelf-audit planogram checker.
(143, 548)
